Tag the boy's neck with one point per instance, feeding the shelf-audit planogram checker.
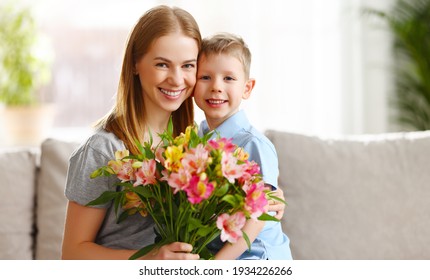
(215, 123)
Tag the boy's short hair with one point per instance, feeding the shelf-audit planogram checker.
(230, 44)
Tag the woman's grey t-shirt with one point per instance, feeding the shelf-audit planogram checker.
(135, 231)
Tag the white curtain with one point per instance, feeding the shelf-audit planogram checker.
(321, 66)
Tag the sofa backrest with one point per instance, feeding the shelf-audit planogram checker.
(356, 197)
(50, 200)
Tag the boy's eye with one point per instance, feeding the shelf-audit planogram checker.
(228, 78)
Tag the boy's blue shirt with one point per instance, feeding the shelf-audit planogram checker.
(271, 243)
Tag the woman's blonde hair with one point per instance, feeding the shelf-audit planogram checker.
(126, 119)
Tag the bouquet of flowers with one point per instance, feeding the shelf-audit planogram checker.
(195, 189)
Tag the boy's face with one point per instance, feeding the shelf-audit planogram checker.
(221, 86)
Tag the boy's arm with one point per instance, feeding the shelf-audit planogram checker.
(231, 251)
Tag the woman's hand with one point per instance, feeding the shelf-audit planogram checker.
(172, 251)
(277, 206)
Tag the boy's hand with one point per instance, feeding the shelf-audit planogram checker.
(277, 206)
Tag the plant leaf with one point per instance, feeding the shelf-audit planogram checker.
(170, 126)
(221, 191)
(102, 171)
(145, 250)
(267, 217)
(230, 199)
(105, 197)
(245, 236)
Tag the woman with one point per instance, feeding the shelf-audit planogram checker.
(157, 79)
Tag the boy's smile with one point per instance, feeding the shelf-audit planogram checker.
(215, 102)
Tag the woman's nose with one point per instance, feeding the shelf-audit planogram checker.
(176, 77)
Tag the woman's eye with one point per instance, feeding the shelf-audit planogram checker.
(162, 65)
(190, 65)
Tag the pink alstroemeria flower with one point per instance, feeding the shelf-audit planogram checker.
(231, 226)
(159, 155)
(178, 180)
(196, 159)
(146, 174)
(255, 200)
(222, 144)
(199, 189)
(125, 170)
(231, 170)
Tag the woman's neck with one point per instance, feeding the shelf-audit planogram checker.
(156, 125)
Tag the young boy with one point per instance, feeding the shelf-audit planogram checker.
(222, 82)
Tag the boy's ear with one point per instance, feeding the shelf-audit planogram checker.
(248, 88)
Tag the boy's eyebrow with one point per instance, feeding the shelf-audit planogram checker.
(169, 61)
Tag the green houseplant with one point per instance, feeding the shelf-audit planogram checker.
(409, 22)
(22, 73)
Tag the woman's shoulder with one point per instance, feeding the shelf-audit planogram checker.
(102, 142)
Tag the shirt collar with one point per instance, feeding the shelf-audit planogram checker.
(230, 126)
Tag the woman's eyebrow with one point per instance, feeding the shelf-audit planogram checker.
(169, 61)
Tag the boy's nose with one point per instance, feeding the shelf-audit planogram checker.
(216, 86)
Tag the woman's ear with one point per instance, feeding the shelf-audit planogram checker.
(248, 88)
(135, 72)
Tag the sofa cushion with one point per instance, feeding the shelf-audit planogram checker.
(18, 169)
(356, 197)
(51, 202)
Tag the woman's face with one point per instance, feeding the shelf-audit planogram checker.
(167, 73)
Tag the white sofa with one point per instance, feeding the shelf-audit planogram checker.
(356, 197)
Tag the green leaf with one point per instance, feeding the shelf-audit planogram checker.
(267, 217)
(144, 191)
(207, 136)
(231, 199)
(102, 171)
(210, 210)
(145, 250)
(118, 201)
(105, 197)
(271, 195)
(141, 149)
(170, 126)
(194, 223)
(194, 138)
(205, 254)
(204, 231)
(248, 242)
(221, 191)
(151, 139)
